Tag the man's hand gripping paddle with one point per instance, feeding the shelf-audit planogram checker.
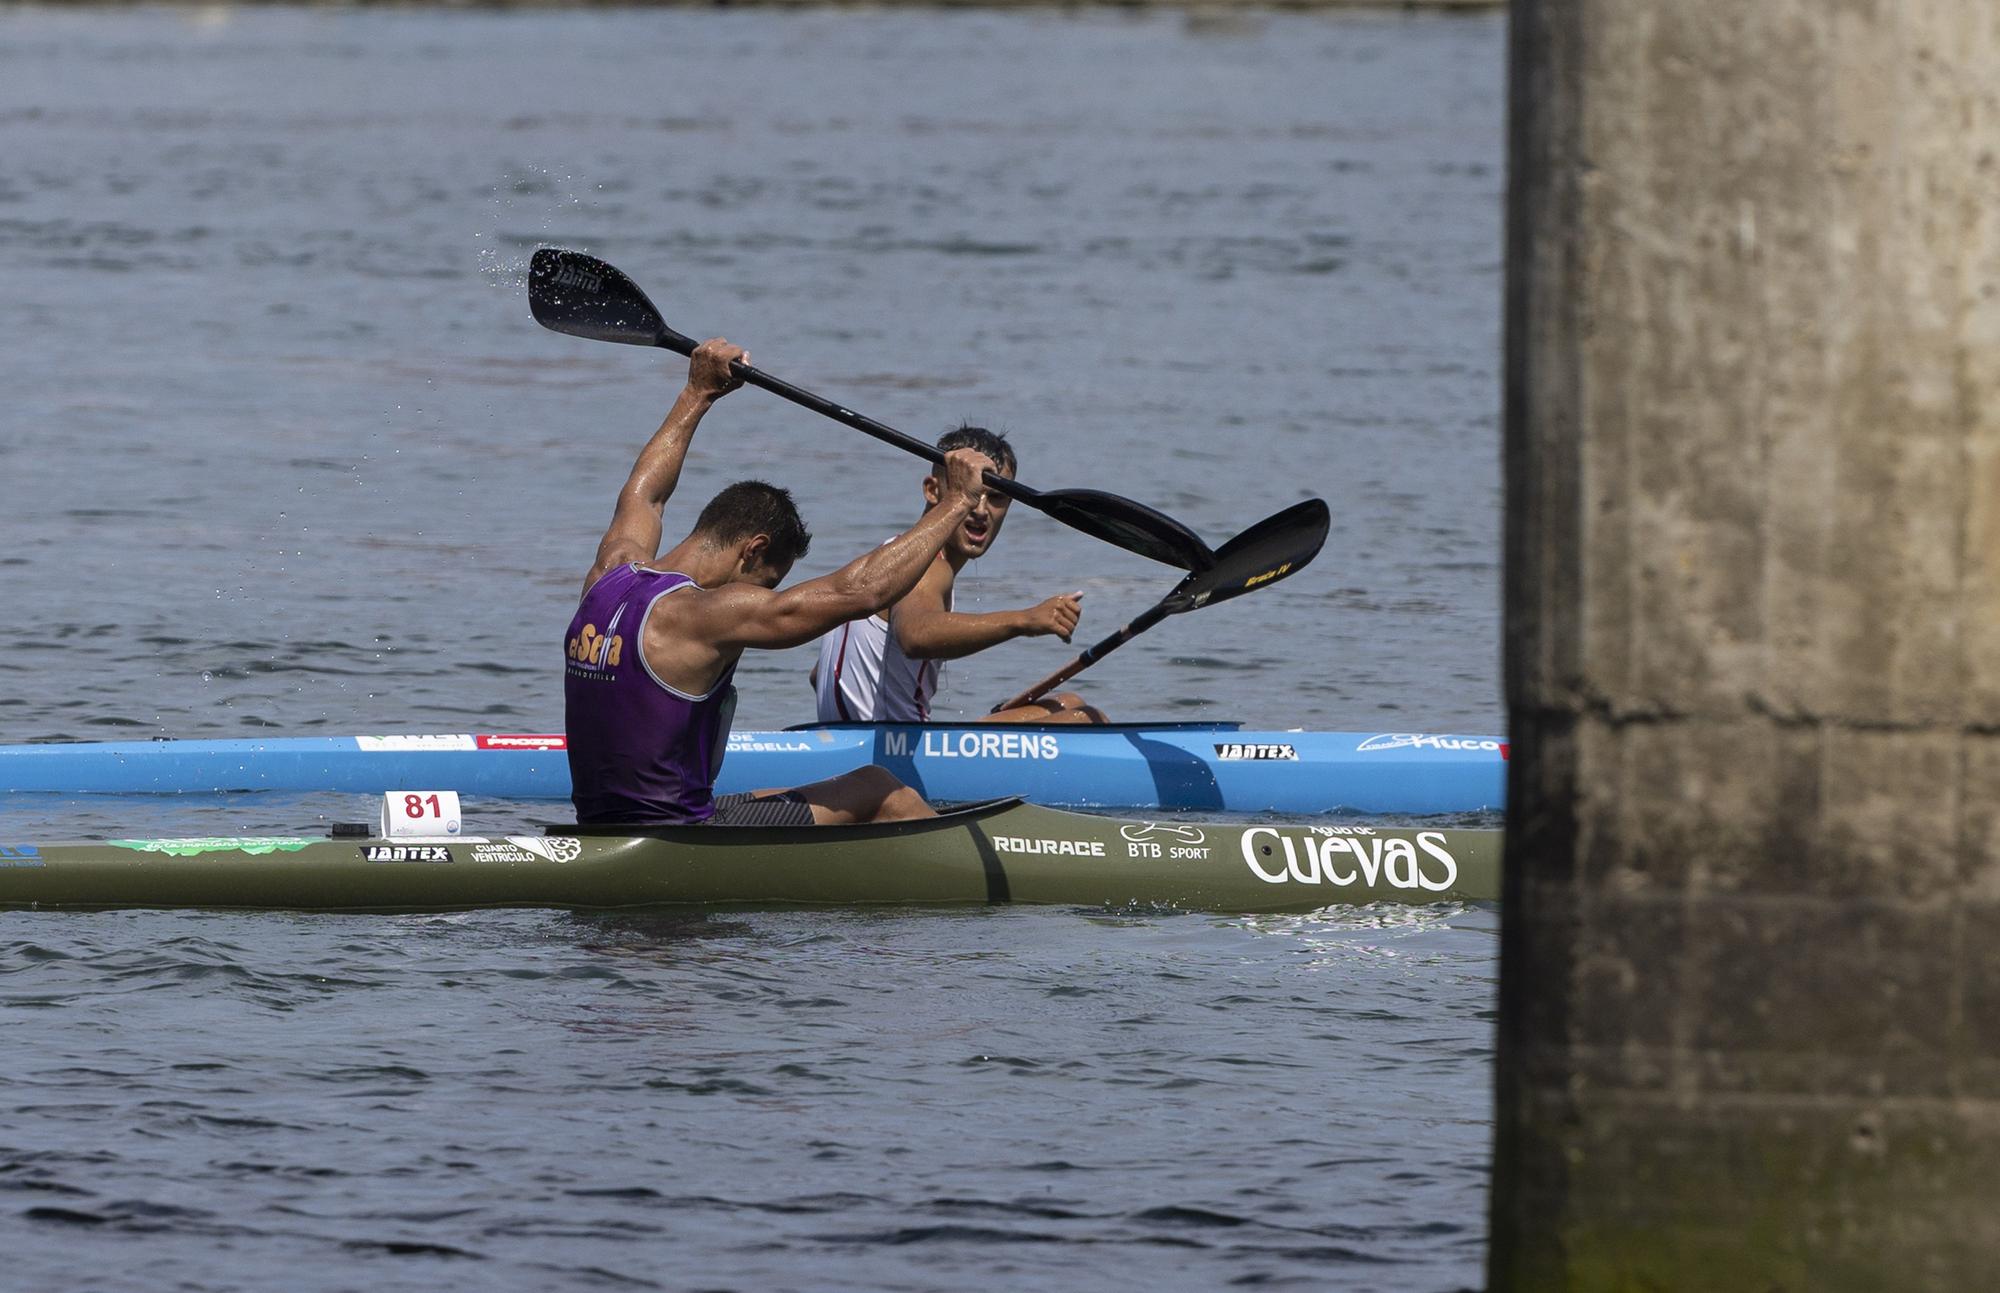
(585, 297)
(1275, 548)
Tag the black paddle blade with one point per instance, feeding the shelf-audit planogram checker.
(1277, 547)
(585, 297)
(1127, 524)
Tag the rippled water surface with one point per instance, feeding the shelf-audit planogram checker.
(281, 451)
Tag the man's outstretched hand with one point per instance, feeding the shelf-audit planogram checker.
(1058, 615)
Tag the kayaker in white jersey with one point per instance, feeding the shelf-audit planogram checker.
(885, 668)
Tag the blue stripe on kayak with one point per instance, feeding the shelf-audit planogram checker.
(1127, 766)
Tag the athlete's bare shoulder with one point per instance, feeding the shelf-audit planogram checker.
(708, 615)
(938, 579)
(686, 635)
(597, 572)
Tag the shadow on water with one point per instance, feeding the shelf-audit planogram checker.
(662, 935)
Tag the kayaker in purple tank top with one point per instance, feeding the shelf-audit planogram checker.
(653, 646)
(618, 712)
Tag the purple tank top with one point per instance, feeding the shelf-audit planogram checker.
(639, 751)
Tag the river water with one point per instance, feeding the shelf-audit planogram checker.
(281, 451)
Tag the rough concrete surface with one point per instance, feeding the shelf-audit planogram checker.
(1751, 986)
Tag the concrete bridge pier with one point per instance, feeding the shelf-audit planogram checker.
(1750, 1034)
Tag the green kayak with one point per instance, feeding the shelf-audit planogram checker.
(1005, 851)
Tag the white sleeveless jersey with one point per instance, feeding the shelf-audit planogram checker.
(865, 677)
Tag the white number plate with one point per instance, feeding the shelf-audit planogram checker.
(420, 813)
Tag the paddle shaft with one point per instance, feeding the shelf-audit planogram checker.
(578, 294)
(1090, 656)
(778, 386)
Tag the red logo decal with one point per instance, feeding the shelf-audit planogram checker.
(1503, 753)
(522, 742)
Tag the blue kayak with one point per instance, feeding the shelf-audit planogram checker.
(1168, 766)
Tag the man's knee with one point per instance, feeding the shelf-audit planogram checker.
(902, 804)
(1069, 702)
(884, 795)
(889, 799)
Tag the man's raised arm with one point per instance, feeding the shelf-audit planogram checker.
(634, 533)
(752, 617)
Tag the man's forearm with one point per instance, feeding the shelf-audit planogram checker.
(949, 635)
(886, 575)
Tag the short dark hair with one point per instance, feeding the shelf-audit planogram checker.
(978, 439)
(751, 507)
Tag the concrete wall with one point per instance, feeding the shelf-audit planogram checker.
(1750, 1029)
